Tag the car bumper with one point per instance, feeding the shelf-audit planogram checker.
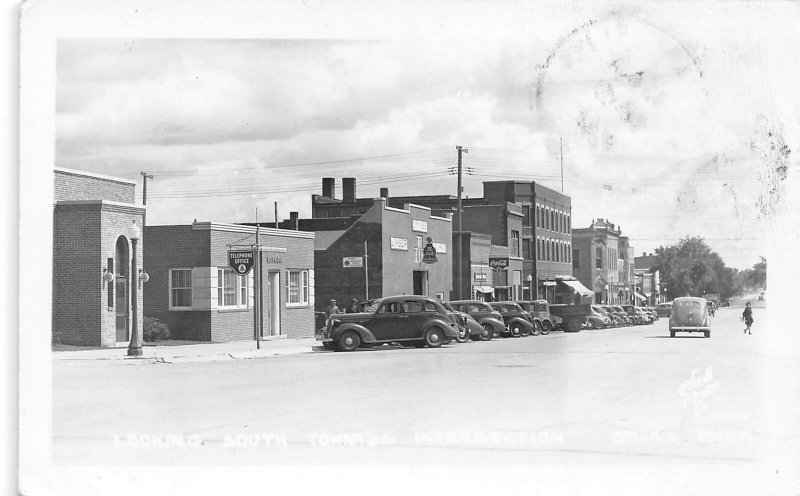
(689, 328)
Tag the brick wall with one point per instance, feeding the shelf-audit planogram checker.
(76, 186)
(172, 247)
(77, 275)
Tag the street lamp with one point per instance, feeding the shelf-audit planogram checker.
(134, 347)
(530, 284)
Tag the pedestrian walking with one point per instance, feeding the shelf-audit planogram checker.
(747, 316)
(353, 307)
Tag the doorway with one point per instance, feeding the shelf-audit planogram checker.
(420, 280)
(274, 303)
(121, 290)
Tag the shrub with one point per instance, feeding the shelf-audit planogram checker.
(155, 330)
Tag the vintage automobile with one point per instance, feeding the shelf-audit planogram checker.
(518, 321)
(461, 321)
(597, 319)
(635, 317)
(624, 314)
(689, 314)
(418, 320)
(467, 326)
(610, 317)
(489, 319)
(540, 311)
(664, 309)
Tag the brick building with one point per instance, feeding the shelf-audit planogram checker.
(92, 254)
(603, 261)
(200, 298)
(394, 239)
(530, 221)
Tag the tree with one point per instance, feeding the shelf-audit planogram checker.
(691, 268)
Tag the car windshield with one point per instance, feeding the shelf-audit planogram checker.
(479, 307)
(373, 306)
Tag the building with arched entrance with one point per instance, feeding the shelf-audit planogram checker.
(92, 259)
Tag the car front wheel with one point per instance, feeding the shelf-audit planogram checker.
(487, 333)
(433, 337)
(349, 341)
(546, 327)
(515, 330)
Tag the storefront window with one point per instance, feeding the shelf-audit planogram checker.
(231, 289)
(180, 283)
(298, 290)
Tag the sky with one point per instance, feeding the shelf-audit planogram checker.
(670, 119)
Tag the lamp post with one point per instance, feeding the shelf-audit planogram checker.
(134, 347)
(531, 296)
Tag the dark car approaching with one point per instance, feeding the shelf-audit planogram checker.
(484, 314)
(689, 314)
(517, 321)
(415, 319)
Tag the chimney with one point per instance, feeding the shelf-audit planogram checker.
(349, 189)
(385, 193)
(293, 223)
(329, 187)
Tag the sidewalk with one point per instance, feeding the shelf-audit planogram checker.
(196, 352)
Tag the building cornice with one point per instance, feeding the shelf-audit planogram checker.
(238, 228)
(92, 174)
(107, 205)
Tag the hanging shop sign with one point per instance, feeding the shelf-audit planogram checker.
(241, 261)
(429, 252)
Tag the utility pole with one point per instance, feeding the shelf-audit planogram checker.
(459, 263)
(276, 216)
(146, 176)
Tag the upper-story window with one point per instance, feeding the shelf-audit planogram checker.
(514, 243)
(526, 215)
(598, 259)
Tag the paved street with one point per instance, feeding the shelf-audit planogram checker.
(623, 396)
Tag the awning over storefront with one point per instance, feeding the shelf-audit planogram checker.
(639, 297)
(484, 289)
(578, 287)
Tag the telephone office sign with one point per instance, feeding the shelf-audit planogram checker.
(241, 261)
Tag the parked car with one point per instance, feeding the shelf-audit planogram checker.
(644, 315)
(664, 309)
(540, 311)
(517, 321)
(415, 319)
(462, 322)
(490, 320)
(597, 319)
(651, 311)
(689, 314)
(625, 320)
(611, 320)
